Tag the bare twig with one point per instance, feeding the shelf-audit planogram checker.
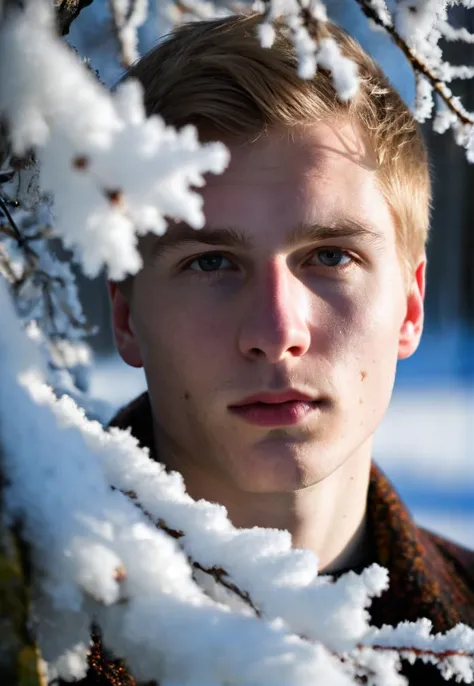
(46, 282)
(421, 652)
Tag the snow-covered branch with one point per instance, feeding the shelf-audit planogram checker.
(412, 36)
(99, 558)
(415, 26)
(114, 537)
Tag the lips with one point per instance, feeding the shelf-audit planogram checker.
(276, 409)
(275, 398)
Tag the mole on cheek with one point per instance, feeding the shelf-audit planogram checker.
(186, 395)
(363, 375)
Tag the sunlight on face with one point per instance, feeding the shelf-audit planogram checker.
(295, 283)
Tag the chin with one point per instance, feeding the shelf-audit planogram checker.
(280, 472)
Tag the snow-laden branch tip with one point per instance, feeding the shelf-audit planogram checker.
(452, 652)
(455, 34)
(114, 174)
(300, 18)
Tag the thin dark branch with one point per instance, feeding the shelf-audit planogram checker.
(11, 221)
(45, 281)
(443, 655)
(219, 575)
(6, 230)
(67, 11)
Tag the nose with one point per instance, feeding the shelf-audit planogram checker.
(276, 320)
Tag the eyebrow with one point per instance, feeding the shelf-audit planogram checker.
(232, 237)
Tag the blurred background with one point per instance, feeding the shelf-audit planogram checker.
(426, 442)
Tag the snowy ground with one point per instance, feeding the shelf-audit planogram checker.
(425, 445)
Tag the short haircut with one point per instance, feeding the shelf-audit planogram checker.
(216, 75)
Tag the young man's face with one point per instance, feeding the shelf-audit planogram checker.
(308, 296)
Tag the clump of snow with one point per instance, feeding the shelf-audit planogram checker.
(310, 54)
(113, 172)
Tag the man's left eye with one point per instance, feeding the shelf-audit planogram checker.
(333, 257)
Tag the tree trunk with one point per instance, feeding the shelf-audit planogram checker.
(20, 663)
(19, 657)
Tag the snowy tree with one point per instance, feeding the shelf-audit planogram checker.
(92, 530)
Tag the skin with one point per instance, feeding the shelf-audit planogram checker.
(329, 316)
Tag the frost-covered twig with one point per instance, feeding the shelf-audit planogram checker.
(419, 65)
(25, 268)
(127, 17)
(452, 652)
(45, 289)
(416, 27)
(450, 33)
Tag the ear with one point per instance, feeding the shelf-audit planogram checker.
(412, 325)
(123, 328)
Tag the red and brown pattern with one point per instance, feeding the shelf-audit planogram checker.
(429, 575)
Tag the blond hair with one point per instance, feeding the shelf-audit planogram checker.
(216, 75)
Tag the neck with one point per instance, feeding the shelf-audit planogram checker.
(328, 517)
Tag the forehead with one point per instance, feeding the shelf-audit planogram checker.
(317, 173)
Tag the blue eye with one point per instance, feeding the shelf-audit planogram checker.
(209, 262)
(333, 257)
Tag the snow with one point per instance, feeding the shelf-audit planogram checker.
(97, 553)
(343, 71)
(310, 54)
(423, 99)
(114, 173)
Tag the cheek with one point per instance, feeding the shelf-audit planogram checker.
(376, 362)
(180, 341)
(366, 328)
